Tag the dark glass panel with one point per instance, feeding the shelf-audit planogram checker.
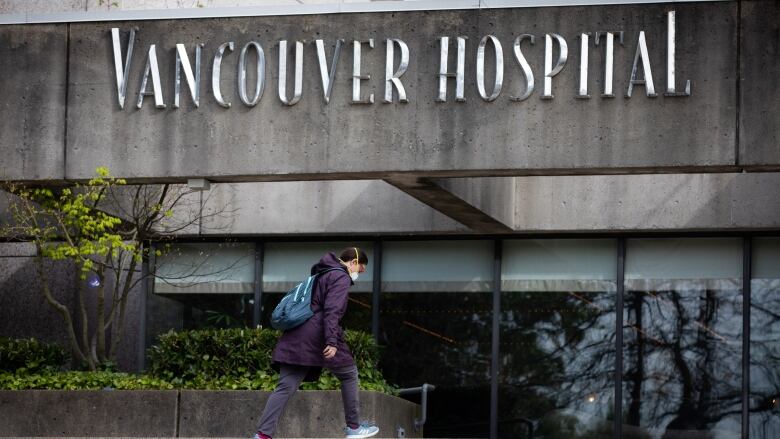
(557, 357)
(682, 363)
(765, 340)
(442, 339)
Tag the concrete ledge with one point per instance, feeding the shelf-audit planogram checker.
(17, 250)
(141, 413)
(309, 413)
(190, 413)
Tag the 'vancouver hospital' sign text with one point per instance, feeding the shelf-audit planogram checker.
(489, 67)
(488, 92)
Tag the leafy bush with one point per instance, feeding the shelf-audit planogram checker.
(30, 356)
(241, 359)
(210, 354)
(81, 381)
(212, 359)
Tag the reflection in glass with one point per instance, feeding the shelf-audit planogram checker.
(435, 327)
(682, 338)
(765, 340)
(206, 268)
(201, 285)
(166, 312)
(557, 339)
(216, 310)
(442, 339)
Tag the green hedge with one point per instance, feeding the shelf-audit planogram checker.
(241, 359)
(75, 380)
(215, 359)
(30, 356)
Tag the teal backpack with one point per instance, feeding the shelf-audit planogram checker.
(295, 307)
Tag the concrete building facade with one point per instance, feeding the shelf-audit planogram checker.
(570, 209)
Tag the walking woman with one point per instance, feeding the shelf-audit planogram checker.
(302, 352)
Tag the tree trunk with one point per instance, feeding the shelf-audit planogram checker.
(60, 308)
(85, 345)
(119, 323)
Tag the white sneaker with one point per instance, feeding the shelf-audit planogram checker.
(363, 431)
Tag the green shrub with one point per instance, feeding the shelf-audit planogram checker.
(241, 359)
(209, 354)
(30, 356)
(81, 381)
(212, 359)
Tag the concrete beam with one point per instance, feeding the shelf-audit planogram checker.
(495, 196)
(33, 65)
(691, 202)
(315, 141)
(571, 204)
(759, 115)
(315, 207)
(443, 200)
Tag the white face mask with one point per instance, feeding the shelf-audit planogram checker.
(353, 275)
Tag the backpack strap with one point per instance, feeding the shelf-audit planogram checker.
(331, 269)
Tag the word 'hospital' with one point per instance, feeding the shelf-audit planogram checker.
(393, 74)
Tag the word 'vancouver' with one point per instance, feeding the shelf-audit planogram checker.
(393, 74)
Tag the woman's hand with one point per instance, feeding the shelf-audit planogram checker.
(329, 352)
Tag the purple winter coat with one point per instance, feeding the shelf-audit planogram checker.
(304, 345)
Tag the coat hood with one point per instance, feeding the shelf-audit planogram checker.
(329, 261)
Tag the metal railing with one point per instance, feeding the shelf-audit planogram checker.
(423, 390)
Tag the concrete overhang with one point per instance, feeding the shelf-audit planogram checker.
(61, 116)
(39, 12)
(493, 206)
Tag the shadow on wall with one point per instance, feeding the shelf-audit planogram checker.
(370, 203)
(344, 206)
(24, 312)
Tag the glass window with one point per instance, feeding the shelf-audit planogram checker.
(765, 340)
(557, 338)
(202, 285)
(437, 266)
(683, 338)
(285, 264)
(435, 327)
(210, 268)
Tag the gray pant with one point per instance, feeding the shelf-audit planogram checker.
(289, 380)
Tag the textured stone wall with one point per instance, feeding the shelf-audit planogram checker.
(25, 313)
(314, 140)
(190, 413)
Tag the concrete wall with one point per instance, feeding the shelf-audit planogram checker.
(686, 202)
(495, 196)
(47, 6)
(56, 413)
(190, 413)
(317, 207)
(24, 312)
(33, 65)
(759, 141)
(312, 140)
(653, 202)
(309, 414)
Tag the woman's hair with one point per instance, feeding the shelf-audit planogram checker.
(350, 253)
